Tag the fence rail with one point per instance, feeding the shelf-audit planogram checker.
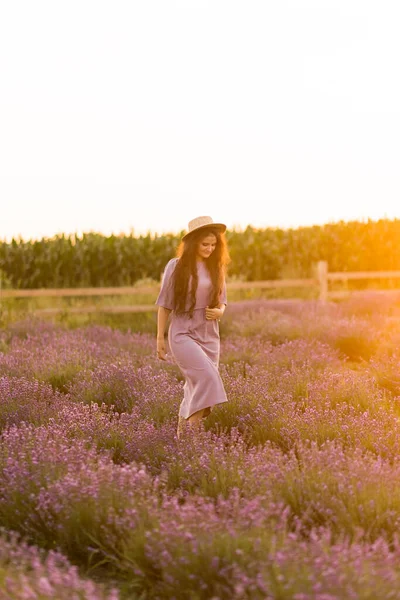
(320, 282)
(325, 277)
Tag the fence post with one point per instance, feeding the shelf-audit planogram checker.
(322, 272)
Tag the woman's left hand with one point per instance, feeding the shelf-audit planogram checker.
(214, 313)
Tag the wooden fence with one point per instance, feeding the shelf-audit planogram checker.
(320, 282)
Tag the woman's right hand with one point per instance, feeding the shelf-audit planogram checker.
(161, 352)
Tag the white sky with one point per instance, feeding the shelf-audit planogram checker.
(145, 114)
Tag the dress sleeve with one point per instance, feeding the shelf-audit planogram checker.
(166, 295)
(223, 297)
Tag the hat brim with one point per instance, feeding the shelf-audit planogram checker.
(219, 226)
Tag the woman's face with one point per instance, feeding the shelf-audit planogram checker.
(206, 246)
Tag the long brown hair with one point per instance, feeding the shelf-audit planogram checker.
(187, 266)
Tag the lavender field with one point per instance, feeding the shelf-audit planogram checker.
(291, 491)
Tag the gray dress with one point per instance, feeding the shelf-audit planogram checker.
(195, 343)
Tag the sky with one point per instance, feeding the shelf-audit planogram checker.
(120, 116)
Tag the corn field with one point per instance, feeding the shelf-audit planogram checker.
(94, 259)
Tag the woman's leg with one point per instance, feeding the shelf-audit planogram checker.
(206, 412)
(181, 426)
(195, 419)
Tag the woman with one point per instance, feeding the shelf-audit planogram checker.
(193, 288)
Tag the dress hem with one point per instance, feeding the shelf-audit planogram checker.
(203, 407)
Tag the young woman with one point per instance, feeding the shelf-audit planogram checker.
(193, 288)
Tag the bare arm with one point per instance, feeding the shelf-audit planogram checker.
(215, 313)
(162, 319)
(218, 311)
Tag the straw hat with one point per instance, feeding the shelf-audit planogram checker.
(202, 222)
